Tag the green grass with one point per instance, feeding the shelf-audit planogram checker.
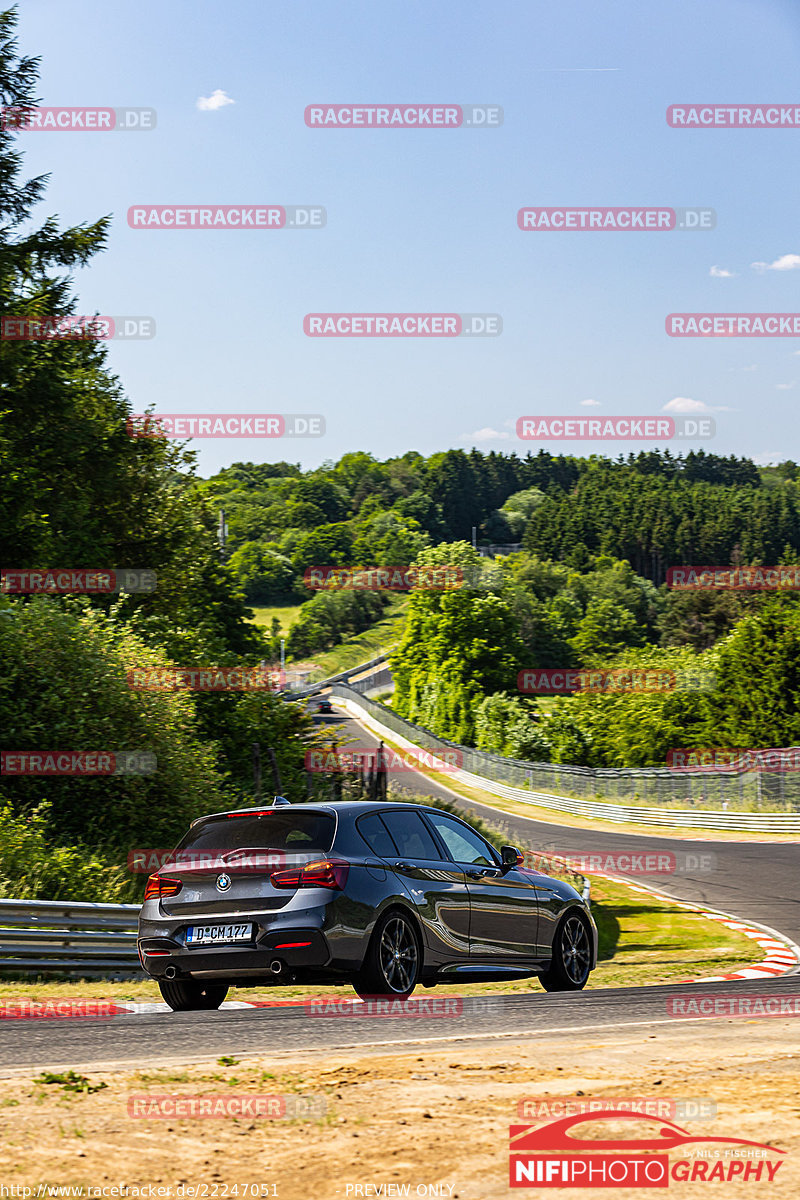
(70, 1082)
(382, 637)
(286, 614)
(643, 940)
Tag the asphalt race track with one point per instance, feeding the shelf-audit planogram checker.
(755, 881)
(147, 1039)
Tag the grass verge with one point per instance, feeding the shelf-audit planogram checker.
(380, 638)
(286, 614)
(643, 940)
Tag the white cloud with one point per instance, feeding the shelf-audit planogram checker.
(683, 404)
(721, 273)
(754, 366)
(784, 387)
(590, 403)
(769, 458)
(485, 435)
(217, 99)
(786, 262)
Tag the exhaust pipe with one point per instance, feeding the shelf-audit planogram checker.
(170, 972)
(276, 966)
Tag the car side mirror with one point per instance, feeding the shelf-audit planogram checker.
(510, 856)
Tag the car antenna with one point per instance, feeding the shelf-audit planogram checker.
(280, 800)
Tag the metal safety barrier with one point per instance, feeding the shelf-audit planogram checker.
(68, 937)
(678, 793)
(343, 676)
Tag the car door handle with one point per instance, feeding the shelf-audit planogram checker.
(404, 866)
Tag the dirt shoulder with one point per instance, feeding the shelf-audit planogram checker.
(434, 1120)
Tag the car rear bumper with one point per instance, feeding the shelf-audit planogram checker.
(275, 954)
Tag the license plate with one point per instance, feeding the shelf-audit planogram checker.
(212, 935)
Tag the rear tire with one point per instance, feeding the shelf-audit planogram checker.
(186, 995)
(572, 956)
(393, 961)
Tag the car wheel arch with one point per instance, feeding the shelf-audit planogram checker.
(398, 905)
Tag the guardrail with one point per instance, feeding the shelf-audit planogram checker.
(340, 677)
(68, 937)
(493, 772)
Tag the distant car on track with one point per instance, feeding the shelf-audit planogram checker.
(324, 706)
(382, 895)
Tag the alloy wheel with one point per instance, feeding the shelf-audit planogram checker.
(575, 951)
(398, 955)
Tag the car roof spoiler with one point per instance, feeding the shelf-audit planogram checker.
(243, 812)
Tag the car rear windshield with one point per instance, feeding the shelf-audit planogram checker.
(279, 829)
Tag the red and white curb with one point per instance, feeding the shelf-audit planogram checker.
(81, 1007)
(782, 954)
(134, 1007)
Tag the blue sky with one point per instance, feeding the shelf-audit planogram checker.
(425, 220)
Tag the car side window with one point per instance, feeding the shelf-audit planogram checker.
(411, 835)
(374, 833)
(464, 845)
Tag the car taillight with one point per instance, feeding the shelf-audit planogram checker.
(328, 873)
(160, 887)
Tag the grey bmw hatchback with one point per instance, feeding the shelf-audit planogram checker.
(379, 895)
